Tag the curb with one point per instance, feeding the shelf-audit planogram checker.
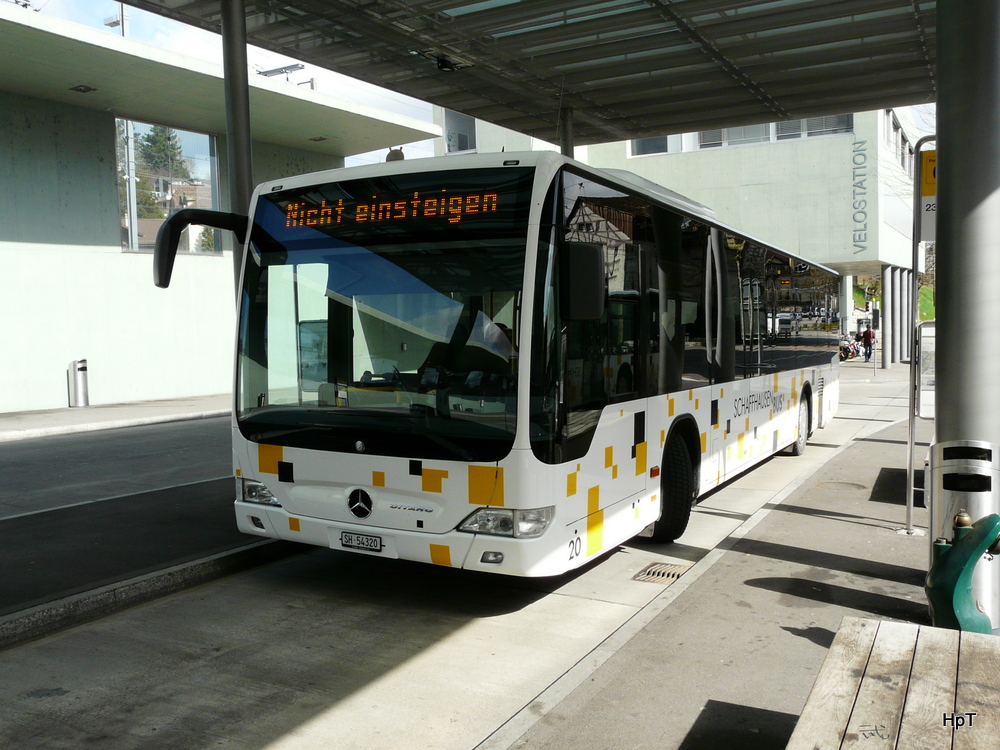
(46, 619)
(36, 432)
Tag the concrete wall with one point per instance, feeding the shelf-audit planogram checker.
(57, 173)
(840, 200)
(68, 292)
(895, 188)
(271, 162)
(492, 139)
(63, 302)
(795, 194)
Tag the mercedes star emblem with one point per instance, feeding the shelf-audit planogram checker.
(359, 503)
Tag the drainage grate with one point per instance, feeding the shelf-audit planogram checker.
(661, 573)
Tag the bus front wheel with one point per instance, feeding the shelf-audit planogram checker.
(802, 431)
(676, 492)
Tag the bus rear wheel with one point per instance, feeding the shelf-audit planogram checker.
(676, 492)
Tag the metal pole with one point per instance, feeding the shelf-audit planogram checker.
(566, 131)
(912, 330)
(238, 140)
(131, 175)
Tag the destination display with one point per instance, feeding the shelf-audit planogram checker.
(420, 205)
(451, 201)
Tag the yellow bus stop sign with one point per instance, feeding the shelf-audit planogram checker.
(928, 195)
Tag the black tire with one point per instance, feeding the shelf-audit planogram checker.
(799, 446)
(676, 492)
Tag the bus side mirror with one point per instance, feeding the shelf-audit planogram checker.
(582, 289)
(165, 249)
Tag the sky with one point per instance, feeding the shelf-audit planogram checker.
(188, 40)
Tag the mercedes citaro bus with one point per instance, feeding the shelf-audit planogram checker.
(504, 362)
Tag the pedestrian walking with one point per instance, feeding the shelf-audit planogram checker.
(868, 340)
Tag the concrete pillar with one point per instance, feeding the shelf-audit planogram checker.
(847, 304)
(904, 341)
(885, 325)
(904, 295)
(968, 271)
(968, 224)
(897, 312)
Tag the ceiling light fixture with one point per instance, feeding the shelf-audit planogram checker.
(284, 70)
(82, 88)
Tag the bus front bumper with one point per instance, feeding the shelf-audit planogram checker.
(483, 552)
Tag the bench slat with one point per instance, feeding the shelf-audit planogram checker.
(874, 723)
(978, 681)
(821, 725)
(932, 691)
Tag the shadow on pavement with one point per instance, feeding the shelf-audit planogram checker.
(832, 514)
(724, 726)
(880, 605)
(831, 561)
(820, 636)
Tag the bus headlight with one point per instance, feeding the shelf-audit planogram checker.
(252, 491)
(522, 524)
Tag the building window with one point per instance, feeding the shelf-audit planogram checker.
(161, 170)
(814, 126)
(459, 132)
(734, 136)
(829, 125)
(644, 146)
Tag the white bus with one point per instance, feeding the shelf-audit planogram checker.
(508, 362)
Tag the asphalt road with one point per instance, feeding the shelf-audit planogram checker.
(78, 512)
(54, 472)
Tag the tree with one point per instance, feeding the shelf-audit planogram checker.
(159, 151)
(206, 241)
(146, 205)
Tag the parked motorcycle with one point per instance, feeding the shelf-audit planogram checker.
(849, 348)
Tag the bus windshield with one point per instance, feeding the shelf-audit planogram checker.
(380, 315)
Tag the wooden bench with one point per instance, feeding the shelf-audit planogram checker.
(898, 685)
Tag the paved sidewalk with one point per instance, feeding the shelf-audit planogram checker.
(723, 657)
(32, 424)
(768, 599)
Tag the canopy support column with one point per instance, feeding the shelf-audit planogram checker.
(887, 322)
(968, 230)
(566, 131)
(239, 150)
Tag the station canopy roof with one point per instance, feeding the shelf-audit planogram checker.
(56, 60)
(628, 68)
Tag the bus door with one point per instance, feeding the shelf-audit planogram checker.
(724, 321)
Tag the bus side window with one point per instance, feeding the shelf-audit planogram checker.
(680, 284)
